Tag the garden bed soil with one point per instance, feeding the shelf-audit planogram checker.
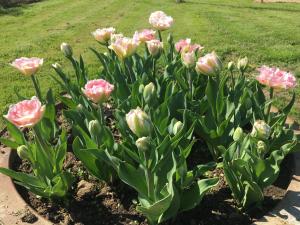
(95, 203)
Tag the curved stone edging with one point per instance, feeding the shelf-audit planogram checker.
(287, 212)
(12, 205)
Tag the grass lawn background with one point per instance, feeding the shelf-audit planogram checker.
(266, 33)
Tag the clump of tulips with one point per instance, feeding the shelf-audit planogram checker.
(163, 101)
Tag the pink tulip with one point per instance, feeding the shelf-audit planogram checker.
(154, 47)
(103, 35)
(188, 59)
(144, 35)
(186, 44)
(209, 64)
(124, 47)
(28, 66)
(276, 78)
(26, 113)
(160, 21)
(98, 91)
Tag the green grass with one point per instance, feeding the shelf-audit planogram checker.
(266, 33)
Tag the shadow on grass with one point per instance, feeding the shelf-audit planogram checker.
(15, 8)
(14, 11)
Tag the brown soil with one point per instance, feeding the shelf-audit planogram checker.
(95, 203)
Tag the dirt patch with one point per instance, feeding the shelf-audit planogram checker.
(92, 202)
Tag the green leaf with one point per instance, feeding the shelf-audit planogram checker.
(9, 143)
(15, 133)
(191, 197)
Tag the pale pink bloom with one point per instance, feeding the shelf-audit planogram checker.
(144, 35)
(209, 64)
(124, 47)
(28, 66)
(182, 43)
(98, 91)
(276, 78)
(155, 47)
(26, 113)
(115, 37)
(188, 59)
(187, 44)
(103, 35)
(160, 21)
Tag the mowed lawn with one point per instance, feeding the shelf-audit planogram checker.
(266, 33)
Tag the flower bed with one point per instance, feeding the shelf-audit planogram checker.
(159, 138)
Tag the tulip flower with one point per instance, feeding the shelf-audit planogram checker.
(143, 144)
(103, 35)
(261, 130)
(139, 122)
(262, 148)
(210, 64)
(187, 45)
(144, 35)
(155, 47)
(276, 78)
(160, 21)
(188, 59)
(149, 92)
(230, 66)
(66, 49)
(28, 66)
(242, 64)
(124, 47)
(238, 134)
(177, 127)
(26, 113)
(23, 152)
(98, 91)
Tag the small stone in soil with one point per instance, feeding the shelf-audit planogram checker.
(28, 217)
(85, 189)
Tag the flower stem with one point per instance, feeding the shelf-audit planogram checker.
(36, 87)
(160, 36)
(154, 69)
(233, 91)
(190, 82)
(42, 142)
(270, 105)
(149, 179)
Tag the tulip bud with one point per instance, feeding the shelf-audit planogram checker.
(188, 59)
(95, 128)
(261, 130)
(143, 144)
(261, 148)
(141, 88)
(242, 64)
(155, 47)
(22, 152)
(177, 127)
(238, 134)
(210, 64)
(56, 66)
(149, 92)
(230, 66)
(139, 122)
(170, 38)
(79, 107)
(66, 49)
